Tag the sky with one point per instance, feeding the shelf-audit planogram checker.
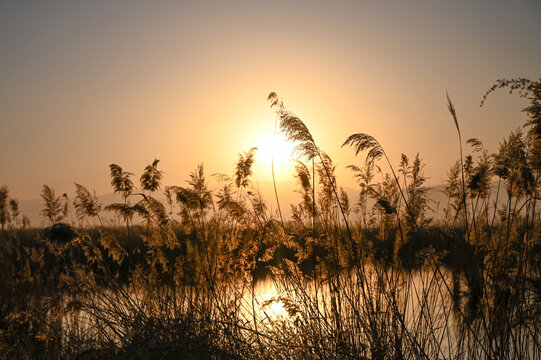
(84, 84)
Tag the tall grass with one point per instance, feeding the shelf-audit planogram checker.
(376, 278)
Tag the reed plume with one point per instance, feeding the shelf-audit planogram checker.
(53, 207)
(243, 168)
(4, 212)
(86, 204)
(296, 131)
(151, 177)
(120, 180)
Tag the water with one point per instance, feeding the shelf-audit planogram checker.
(427, 309)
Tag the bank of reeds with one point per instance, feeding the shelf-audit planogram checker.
(374, 278)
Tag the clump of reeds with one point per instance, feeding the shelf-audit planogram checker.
(378, 277)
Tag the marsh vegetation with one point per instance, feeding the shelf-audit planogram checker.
(374, 277)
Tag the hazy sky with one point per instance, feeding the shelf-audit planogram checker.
(84, 84)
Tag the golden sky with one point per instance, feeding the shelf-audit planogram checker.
(87, 84)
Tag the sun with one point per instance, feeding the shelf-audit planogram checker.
(275, 150)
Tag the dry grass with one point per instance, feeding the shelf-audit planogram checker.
(352, 280)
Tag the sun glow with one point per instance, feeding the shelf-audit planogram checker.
(271, 306)
(275, 149)
(274, 310)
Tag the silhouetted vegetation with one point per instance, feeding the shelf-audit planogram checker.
(376, 277)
